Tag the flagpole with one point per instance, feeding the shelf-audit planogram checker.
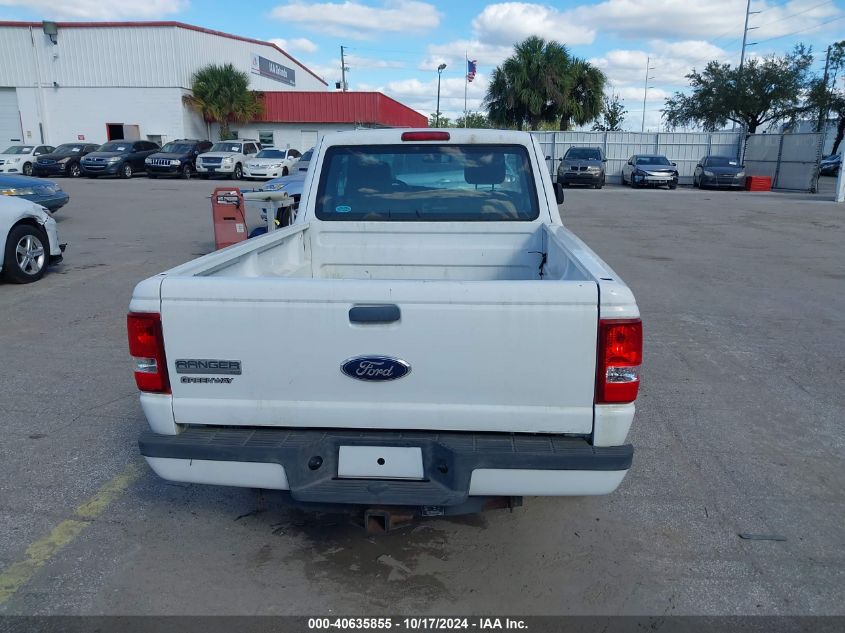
(466, 83)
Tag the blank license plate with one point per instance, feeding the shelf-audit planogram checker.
(380, 462)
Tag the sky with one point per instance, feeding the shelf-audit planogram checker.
(395, 46)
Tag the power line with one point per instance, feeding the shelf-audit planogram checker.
(792, 15)
(809, 28)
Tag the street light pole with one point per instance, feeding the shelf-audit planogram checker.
(440, 70)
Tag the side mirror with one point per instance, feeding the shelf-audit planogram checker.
(674, 164)
(558, 192)
(604, 160)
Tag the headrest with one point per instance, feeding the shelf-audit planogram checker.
(484, 168)
(369, 175)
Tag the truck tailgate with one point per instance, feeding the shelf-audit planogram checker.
(515, 356)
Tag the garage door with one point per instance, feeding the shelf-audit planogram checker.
(10, 120)
(309, 139)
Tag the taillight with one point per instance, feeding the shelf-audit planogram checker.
(146, 346)
(425, 136)
(620, 354)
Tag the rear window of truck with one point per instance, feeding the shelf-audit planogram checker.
(436, 183)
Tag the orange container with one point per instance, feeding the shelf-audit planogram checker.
(227, 210)
(758, 183)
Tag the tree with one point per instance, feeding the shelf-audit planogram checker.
(473, 119)
(444, 120)
(765, 91)
(541, 84)
(583, 95)
(612, 115)
(221, 94)
(529, 85)
(825, 99)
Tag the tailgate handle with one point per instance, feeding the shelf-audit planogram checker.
(387, 313)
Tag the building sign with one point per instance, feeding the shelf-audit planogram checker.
(272, 70)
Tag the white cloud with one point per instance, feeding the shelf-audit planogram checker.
(330, 72)
(357, 61)
(101, 9)
(422, 95)
(509, 22)
(671, 62)
(359, 21)
(297, 44)
(452, 53)
(713, 19)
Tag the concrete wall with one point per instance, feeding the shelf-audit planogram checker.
(299, 136)
(683, 148)
(67, 113)
(131, 56)
(130, 75)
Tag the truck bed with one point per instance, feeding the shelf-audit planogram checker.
(464, 252)
(281, 305)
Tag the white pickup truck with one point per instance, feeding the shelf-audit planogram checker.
(425, 335)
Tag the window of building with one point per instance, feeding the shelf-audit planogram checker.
(265, 138)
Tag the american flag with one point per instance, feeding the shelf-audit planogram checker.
(471, 68)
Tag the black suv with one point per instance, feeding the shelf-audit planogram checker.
(582, 166)
(63, 161)
(118, 158)
(176, 158)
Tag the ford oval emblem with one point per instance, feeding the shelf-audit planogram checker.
(375, 368)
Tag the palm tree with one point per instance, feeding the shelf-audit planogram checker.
(584, 97)
(528, 85)
(221, 94)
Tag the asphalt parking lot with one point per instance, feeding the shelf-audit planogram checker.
(738, 430)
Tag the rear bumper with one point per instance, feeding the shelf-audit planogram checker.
(455, 465)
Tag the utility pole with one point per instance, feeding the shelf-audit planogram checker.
(820, 126)
(343, 70)
(648, 69)
(748, 12)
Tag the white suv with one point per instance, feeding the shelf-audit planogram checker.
(227, 158)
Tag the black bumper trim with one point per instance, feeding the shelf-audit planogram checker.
(448, 458)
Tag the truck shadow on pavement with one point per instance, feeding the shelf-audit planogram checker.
(402, 565)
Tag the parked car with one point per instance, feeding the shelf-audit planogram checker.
(20, 159)
(118, 158)
(377, 277)
(304, 161)
(176, 158)
(649, 170)
(44, 192)
(719, 171)
(227, 158)
(582, 166)
(271, 163)
(830, 165)
(29, 240)
(64, 160)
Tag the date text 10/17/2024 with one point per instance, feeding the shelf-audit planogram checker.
(416, 624)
